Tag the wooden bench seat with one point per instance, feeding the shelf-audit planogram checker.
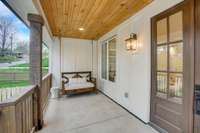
(78, 82)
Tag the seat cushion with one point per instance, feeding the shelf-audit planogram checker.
(73, 86)
(72, 80)
(81, 80)
(77, 80)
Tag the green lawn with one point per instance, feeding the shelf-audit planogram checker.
(7, 59)
(45, 63)
(11, 84)
(22, 69)
(10, 71)
(4, 83)
(13, 70)
(19, 70)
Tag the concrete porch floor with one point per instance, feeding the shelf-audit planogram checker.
(90, 113)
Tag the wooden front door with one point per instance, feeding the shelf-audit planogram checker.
(173, 69)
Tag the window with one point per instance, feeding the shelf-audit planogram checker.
(104, 61)
(45, 59)
(108, 68)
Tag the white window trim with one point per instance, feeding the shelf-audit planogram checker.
(107, 70)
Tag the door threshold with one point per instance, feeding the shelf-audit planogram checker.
(156, 127)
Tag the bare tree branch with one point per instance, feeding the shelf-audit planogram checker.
(7, 29)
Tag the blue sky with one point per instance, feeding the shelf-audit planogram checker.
(22, 31)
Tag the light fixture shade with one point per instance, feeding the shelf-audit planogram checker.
(131, 43)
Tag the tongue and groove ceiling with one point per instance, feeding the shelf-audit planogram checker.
(97, 17)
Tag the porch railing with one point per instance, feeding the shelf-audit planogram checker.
(19, 113)
(8, 93)
(45, 90)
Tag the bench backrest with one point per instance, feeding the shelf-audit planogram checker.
(84, 74)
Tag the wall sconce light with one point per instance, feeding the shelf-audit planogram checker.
(131, 44)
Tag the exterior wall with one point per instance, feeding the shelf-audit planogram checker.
(55, 63)
(133, 71)
(73, 55)
(77, 55)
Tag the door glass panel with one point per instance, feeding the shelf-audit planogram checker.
(112, 60)
(176, 57)
(162, 58)
(162, 84)
(170, 57)
(162, 31)
(176, 27)
(104, 61)
(175, 87)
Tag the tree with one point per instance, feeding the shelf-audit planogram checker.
(7, 30)
(22, 47)
(11, 43)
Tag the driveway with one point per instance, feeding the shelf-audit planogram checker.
(4, 65)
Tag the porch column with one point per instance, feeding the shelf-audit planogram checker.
(36, 23)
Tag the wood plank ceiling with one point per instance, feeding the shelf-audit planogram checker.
(97, 17)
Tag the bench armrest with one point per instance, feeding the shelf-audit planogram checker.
(65, 80)
(93, 80)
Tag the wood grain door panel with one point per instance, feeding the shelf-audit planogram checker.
(172, 81)
(197, 64)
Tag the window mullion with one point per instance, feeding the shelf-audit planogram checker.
(168, 57)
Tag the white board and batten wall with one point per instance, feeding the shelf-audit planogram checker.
(78, 55)
(73, 55)
(133, 74)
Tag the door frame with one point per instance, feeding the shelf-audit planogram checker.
(188, 66)
(197, 62)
